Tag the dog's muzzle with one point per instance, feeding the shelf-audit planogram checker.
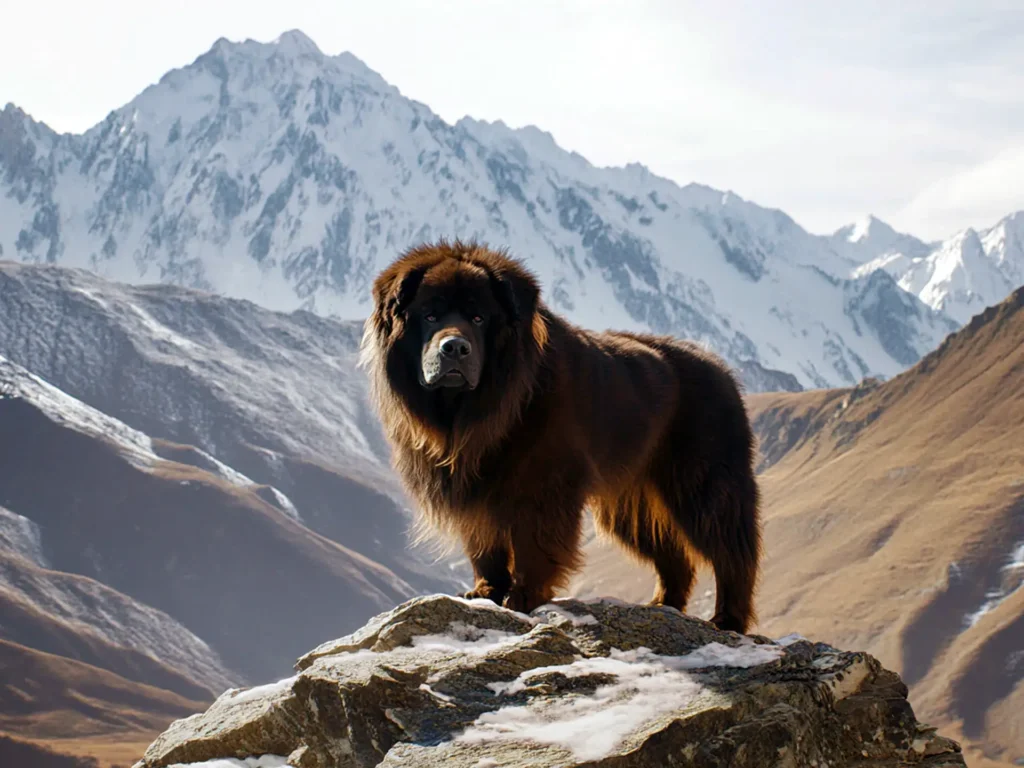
(451, 363)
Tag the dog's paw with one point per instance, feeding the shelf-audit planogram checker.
(524, 601)
(666, 602)
(728, 623)
(485, 591)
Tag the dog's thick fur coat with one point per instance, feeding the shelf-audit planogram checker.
(649, 432)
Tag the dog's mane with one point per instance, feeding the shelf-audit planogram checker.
(513, 359)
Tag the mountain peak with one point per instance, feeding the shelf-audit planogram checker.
(293, 44)
(869, 238)
(868, 227)
(1013, 224)
(297, 43)
(967, 244)
(532, 138)
(1017, 217)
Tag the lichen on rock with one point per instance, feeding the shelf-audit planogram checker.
(465, 684)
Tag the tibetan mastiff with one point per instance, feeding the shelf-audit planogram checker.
(505, 421)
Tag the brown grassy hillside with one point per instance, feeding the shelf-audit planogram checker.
(893, 512)
(64, 706)
(22, 752)
(27, 626)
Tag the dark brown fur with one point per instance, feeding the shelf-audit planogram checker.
(650, 432)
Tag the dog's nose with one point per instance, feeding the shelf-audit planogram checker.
(455, 346)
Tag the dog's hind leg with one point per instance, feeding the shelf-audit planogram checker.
(637, 522)
(719, 515)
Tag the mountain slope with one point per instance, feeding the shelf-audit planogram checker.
(266, 401)
(895, 523)
(211, 554)
(275, 173)
(28, 625)
(22, 752)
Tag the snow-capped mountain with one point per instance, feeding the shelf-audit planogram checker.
(959, 276)
(276, 173)
(870, 237)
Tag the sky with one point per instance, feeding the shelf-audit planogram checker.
(912, 111)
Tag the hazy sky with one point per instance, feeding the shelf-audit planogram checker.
(910, 110)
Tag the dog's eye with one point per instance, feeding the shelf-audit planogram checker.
(431, 318)
(477, 319)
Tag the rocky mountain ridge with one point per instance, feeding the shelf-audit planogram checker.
(959, 276)
(278, 174)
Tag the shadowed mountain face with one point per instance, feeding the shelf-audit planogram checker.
(895, 523)
(211, 554)
(278, 174)
(249, 395)
(155, 576)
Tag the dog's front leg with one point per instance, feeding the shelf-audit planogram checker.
(490, 561)
(545, 553)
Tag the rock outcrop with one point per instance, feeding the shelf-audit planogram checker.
(441, 681)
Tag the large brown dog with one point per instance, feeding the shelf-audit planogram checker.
(505, 421)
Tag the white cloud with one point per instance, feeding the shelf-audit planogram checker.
(976, 197)
(826, 110)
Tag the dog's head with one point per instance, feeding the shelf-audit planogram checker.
(450, 316)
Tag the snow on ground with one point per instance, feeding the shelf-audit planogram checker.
(577, 620)
(427, 689)
(74, 414)
(286, 505)
(263, 761)
(490, 605)
(21, 537)
(266, 690)
(647, 686)
(1012, 575)
(466, 638)
(793, 637)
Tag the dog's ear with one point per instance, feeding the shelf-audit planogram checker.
(392, 294)
(516, 293)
